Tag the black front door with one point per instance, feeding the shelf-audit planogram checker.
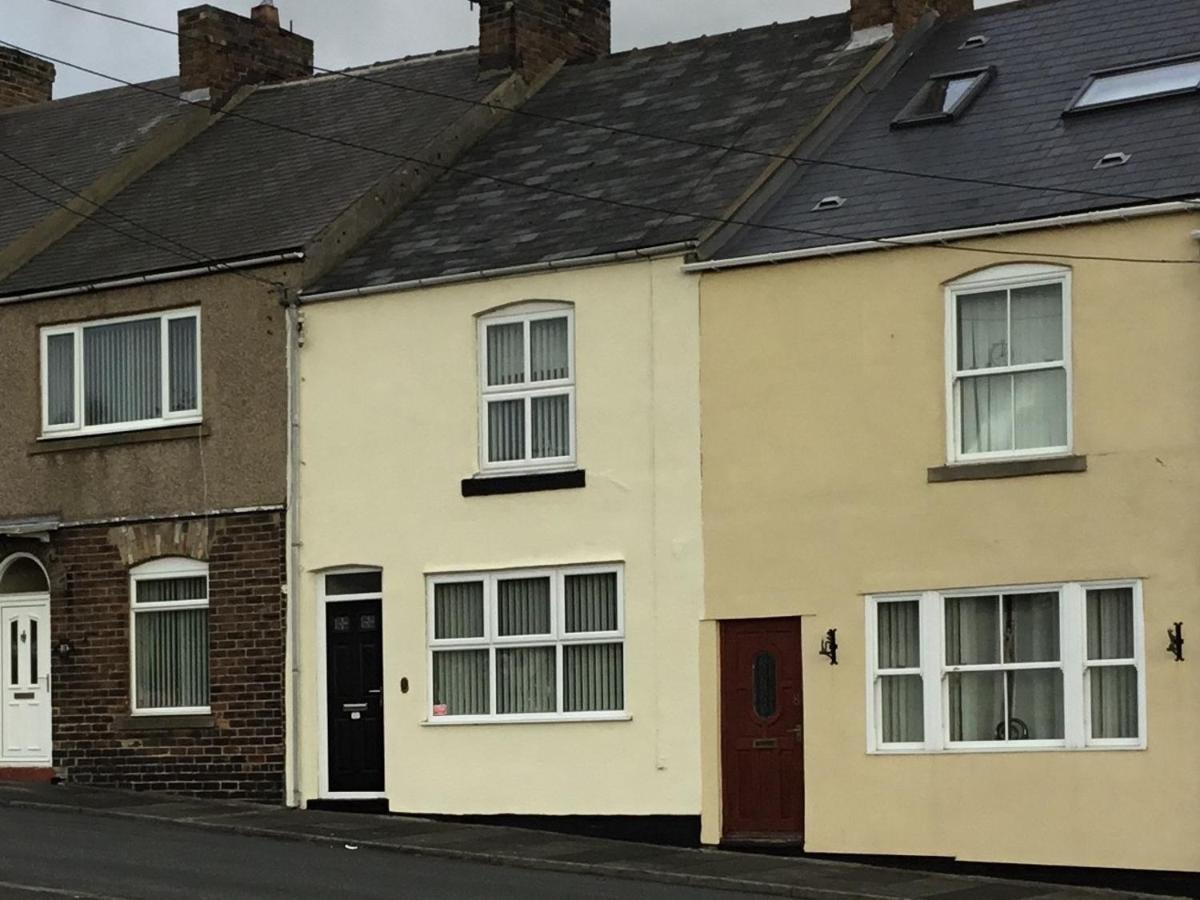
(354, 667)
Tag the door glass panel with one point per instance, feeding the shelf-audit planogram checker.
(12, 658)
(765, 692)
(33, 647)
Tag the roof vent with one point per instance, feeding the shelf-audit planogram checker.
(832, 202)
(1112, 160)
(974, 41)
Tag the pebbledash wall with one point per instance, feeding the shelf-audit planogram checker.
(829, 501)
(213, 492)
(385, 445)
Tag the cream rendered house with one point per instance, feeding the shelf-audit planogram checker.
(499, 537)
(956, 450)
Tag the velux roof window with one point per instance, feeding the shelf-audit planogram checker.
(944, 98)
(1179, 75)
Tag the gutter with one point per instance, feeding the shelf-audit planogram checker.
(577, 262)
(939, 237)
(174, 275)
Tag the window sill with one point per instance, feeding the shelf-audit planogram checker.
(1036, 748)
(492, 485)
(1008, 468)
(53, 444)
(190, 722)
(446, 721)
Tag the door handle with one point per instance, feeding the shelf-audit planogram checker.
(798, 731)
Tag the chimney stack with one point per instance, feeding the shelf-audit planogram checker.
(24, 79)
(221, 51)
(902, 15)
(526, 36)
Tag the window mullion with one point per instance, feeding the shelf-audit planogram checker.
(932, 662)
(79, 381)
(164, 367)
(528, 401)
(1073, 638)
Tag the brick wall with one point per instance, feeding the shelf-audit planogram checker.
(221, 51)
(241, 752)
(903, 13)
(24, 79)
(528, 35)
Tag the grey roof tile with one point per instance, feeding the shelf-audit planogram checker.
(746, 86)
(243, 189)
(1015, 131)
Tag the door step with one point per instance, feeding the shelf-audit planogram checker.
(34, 774)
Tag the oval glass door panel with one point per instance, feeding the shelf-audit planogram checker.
(765, 692)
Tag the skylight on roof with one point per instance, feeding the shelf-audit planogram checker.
(1132, 84)
(943, 98)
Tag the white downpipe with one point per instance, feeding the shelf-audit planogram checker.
(938, 237)
(295, 324)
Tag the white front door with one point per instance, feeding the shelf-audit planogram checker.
(25, 681)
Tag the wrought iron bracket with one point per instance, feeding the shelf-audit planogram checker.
(829, 646)
(1175, 636)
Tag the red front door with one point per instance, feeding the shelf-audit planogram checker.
(762, 730)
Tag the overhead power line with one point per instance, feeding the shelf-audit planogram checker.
(631, 132)
(546, 189)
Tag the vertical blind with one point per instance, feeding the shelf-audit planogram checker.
(171, 646)
(183, 387)
(1015, 410)
(536, 424)
(534, 622)
(60, 379)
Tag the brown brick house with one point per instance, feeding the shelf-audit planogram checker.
(144, 352)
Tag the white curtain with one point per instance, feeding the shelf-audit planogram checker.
(506, 430)
(973, 638)
(551, 421)
(901, 698)
(60, 379)
(1114, 689)
(506, 354)
(181, 342)
(122, 371)
(548, 350)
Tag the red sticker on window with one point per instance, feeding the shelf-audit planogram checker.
(439, 709)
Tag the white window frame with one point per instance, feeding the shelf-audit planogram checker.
(526, 313)
(77, 427)
(162, 570)
(557, 637)
(1072, 658)
(996, 278)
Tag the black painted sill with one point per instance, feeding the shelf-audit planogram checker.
(118, 438)
(1009, 468)
(165, 723)
(491, 486)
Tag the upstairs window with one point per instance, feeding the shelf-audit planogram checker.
(121, 374)
(1008, 370)
(1113, 87)
(527, 403)
(943, 98)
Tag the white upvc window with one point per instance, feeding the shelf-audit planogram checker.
(1056, 666)
(170, 642)
(527, 389)
(1008, 364)
(122, 374)
(529, 645)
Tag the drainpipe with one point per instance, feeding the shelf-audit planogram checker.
(295, 339)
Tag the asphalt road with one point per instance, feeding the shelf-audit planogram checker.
(46, 854)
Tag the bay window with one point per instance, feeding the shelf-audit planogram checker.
(527, 375)
(1008, 364)
(169, 648)
(532, 645)
(1056, 666)
(121, 374)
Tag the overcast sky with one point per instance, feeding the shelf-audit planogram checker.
(347, 32)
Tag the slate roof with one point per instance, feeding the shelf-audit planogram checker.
(1014, 132)
(241, 189)
(73, 141)
(758, 87)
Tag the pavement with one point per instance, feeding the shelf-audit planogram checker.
(601, 861)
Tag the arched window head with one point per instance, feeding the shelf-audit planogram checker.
(22, 574)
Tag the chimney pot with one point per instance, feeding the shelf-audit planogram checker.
(24, 79)
(220, 51)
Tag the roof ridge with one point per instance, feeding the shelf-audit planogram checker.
(85, 96)
(384, 65)
(825, 21)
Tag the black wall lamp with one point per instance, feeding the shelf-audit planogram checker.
(829, 646)
(1175, 636)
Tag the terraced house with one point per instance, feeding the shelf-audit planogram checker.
(501, 570)
(950, 444)
(152, 238)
